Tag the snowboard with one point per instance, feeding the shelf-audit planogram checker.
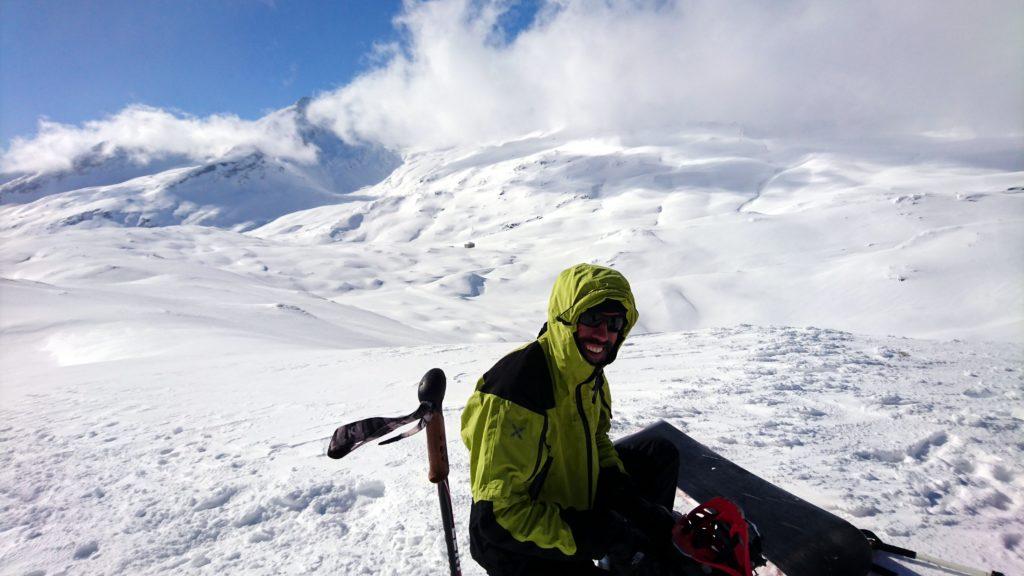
(798, 537)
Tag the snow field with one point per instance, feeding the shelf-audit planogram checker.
(206, 464)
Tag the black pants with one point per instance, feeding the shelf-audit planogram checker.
(653, 467)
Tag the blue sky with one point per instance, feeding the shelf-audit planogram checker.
(77, 60)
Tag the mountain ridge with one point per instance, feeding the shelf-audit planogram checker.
(238, 189)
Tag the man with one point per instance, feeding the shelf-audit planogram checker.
(551, 493)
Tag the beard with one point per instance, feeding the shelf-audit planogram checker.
(595, 353)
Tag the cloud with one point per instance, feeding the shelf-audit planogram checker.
(145, 133)
(460, 76)
(785, 67)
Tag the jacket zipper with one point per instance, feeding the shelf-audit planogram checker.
(586, 437)
(599, 391)
(540, 473)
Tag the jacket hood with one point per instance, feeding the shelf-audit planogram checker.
(575, 291)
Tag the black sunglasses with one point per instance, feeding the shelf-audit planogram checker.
(593, 319)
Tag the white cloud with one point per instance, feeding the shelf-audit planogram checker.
(782, 67)
(871, 66)
(145, 133)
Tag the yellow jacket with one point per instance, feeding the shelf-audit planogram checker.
(537, 426)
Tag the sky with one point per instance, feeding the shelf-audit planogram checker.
(195, 78)
(77, 60)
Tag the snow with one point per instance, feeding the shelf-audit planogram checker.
(845, 321)
(240, 188)
(158, 463)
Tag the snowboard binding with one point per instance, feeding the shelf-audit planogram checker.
(716, 535)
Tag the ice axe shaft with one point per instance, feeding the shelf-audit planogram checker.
(954, 566)
(431, 391)
(448, 521)
(437, 448)
(877, 544)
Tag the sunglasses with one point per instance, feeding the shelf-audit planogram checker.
(593, 319)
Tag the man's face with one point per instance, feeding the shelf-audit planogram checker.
(595, 338)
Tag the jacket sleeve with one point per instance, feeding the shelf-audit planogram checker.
(608, 457)
(507, 457)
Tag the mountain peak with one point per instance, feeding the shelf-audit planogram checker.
(302, 104)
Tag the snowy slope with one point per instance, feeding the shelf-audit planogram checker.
(99, 167)
(167, 388)
(157, 292)
(237, 189)
(711, 229)
(232, 193)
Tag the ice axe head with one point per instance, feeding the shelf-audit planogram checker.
(431, 392)
(432, 387)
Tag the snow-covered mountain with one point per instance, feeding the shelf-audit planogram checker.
(714, 228)
(782, 233)
(101, 166)
(240, 189)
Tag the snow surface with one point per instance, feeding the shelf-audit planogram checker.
(205, 463)
(167, 389)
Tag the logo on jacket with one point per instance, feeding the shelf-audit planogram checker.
(517, 431)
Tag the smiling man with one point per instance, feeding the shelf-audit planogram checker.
(551, 493)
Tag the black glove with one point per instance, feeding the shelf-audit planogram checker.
(623, 549)
(626, 550)
(654, 521)
(612, 486)
(616, 493)
(600, 533)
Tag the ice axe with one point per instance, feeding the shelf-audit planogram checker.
(428, 415)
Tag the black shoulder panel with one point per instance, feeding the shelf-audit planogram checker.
(522, 377)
